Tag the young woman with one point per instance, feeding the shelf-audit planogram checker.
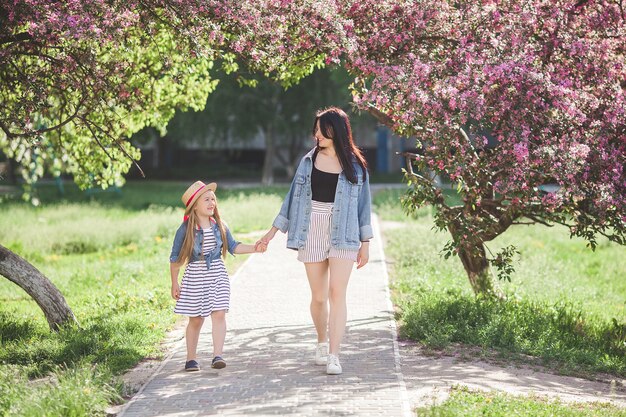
(326, 215)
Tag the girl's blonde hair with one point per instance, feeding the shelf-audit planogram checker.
(192, 224)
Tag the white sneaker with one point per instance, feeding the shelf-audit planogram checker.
(333, 367)
(321, 351)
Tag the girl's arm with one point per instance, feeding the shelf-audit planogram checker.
(178, 242)
(242, 248)
(174, 269)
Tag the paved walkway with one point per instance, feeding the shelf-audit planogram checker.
(269, 351)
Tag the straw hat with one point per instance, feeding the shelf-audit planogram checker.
(194, 192)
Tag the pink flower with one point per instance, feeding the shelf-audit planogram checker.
(520, 150)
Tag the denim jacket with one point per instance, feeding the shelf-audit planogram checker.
(351, 215)
(196, 253)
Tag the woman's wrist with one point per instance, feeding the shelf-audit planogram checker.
(270, 235)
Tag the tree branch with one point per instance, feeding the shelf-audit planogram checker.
(120, 147)
(469, 142)
(536, 220)
(20, 37)
(380, 116)
(504, 222)
(48, 129)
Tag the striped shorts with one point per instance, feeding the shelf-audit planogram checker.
(317, 247)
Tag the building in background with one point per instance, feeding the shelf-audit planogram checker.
(261, 133)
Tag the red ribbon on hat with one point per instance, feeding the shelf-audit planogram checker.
(185, 218)
(193, 195)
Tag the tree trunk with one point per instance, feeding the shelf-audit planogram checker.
(47, 296)
(10, 171)
(268, 161)
(474, 259)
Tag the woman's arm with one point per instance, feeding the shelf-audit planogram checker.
(269, 235)
(365, 223)
(363, 256)
(365, 212)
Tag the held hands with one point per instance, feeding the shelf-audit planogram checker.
(261, 244)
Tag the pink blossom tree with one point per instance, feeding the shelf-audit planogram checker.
(521, 104)
(544, 80)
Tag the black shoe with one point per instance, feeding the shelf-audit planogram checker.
(192, 366)
(218, 363)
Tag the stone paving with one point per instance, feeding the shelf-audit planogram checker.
(270, 346)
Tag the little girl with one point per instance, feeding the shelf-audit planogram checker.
(201, 241)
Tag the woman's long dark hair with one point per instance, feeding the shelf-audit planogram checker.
(334, 124)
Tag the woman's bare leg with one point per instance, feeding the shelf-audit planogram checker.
(340, 270)
(317, 273)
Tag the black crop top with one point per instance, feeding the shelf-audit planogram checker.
(323, 184)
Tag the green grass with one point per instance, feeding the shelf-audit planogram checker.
(565, 304)
(109, 256)
(467, 403)
(387, 204)
(560, 335)
(79, 391)
(78, 224)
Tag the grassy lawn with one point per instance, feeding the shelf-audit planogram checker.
(466, 403)
(109, 256)
(565, 304)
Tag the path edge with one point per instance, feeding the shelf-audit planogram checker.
(404, 398)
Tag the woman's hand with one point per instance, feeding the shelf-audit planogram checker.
(175, 291)
(363, 256)
(265, 240)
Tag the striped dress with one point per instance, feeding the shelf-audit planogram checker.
(204, 291)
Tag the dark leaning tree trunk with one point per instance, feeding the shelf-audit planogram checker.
(48, 297)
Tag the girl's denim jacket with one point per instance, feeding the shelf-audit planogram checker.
(351, 215)
(196, 253)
